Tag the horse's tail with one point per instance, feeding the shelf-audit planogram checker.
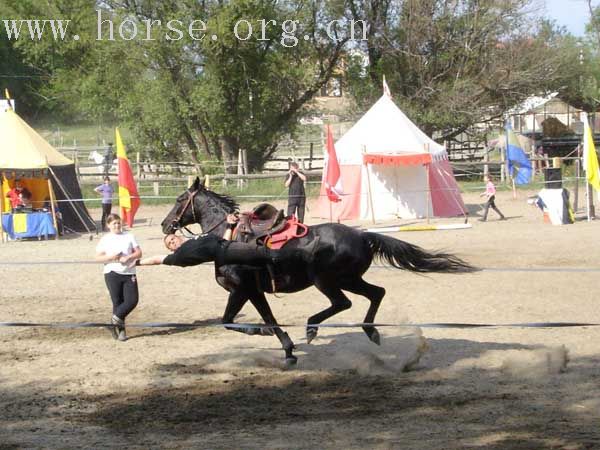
(403, 255)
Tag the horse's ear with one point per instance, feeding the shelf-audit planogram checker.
(196, 185)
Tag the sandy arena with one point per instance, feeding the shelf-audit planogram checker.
(205, 387)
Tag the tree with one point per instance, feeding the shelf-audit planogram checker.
(176, 91)
(454, 64)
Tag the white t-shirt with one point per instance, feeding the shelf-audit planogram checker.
(113, 244)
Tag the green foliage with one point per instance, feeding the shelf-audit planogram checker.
(186, 98)
(453, 64)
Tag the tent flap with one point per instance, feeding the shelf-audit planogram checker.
(397, 160)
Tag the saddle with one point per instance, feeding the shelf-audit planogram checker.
(263, 220)
(269, 226)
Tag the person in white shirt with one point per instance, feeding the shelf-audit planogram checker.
(119, 251)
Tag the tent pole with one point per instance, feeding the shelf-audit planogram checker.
(370, 193)
(51, 192)
(428, 193)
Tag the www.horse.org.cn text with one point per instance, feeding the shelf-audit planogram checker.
(288, 32)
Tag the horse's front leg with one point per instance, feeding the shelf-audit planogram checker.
(259, 301)
(236, 301)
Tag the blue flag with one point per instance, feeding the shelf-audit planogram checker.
(517, 159)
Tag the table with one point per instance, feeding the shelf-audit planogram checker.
(27, 225)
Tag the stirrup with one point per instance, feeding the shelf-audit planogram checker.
(271, 271)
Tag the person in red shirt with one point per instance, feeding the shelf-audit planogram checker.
(17, 195)
(490, 193)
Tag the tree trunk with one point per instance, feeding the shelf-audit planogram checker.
(229, 150)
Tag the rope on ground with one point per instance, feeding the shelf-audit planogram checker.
(322, 325)
(373, 266)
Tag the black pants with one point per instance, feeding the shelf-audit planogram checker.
(123, 291)
(491, 204)
(106, 207)
(297, 203)
(250, 254)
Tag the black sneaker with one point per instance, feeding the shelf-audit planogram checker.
(114, 330)
(122, 335)
(118, 325)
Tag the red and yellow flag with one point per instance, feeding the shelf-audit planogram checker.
(129, 199)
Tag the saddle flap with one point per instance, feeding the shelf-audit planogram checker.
(292, 229)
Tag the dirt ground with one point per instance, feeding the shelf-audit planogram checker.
(207, 387)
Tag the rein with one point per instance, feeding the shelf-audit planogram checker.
(190, 201)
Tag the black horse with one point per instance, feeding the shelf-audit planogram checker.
(341, 257)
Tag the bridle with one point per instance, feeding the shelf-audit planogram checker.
(190, 201)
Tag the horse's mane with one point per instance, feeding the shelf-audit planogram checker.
(222, 199)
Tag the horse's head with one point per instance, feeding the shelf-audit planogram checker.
(184, 212)
(199, 205)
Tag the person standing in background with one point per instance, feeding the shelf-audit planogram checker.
(296, 195)
(106, 190)
(119, 251)
(17, 195)
(109, 156)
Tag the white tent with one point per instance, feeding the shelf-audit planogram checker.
(389, 168)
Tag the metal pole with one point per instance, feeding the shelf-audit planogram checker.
(1, 206)
(577, 175)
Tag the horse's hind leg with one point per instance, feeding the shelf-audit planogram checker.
(339, 303)
(375, 294)
(259, 301)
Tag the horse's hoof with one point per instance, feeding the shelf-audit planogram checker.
(311, 333)
(374, 336)
(290, 362)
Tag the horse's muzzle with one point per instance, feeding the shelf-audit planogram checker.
(170, 227)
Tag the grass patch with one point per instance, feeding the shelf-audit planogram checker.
(81, 135)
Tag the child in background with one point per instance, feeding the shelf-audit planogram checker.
(490, 193)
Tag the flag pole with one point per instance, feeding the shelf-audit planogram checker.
(587, 202)
(514, 188)
(1, 206)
